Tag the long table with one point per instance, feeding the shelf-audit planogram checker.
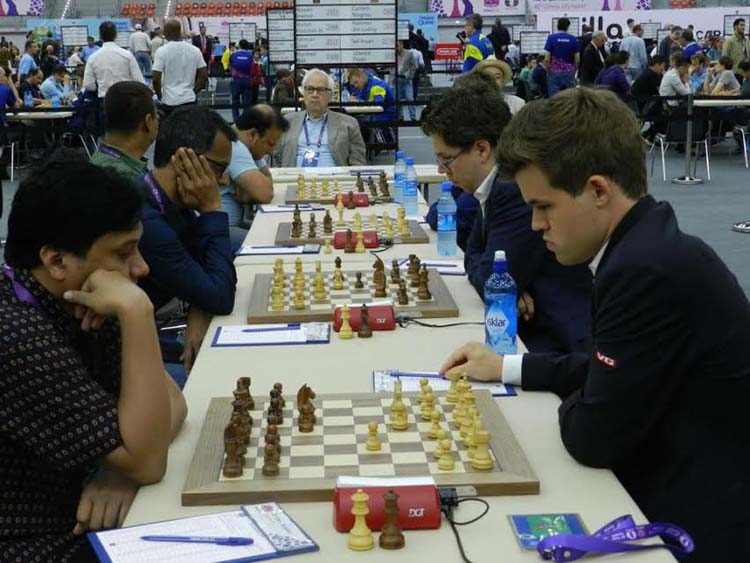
(426, 173)
(345, 366)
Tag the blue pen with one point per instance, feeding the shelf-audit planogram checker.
(428, 374)
(440, 265)
(273, 246)
(292, 326)
(200, 539)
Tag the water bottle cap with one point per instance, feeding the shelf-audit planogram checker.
(399, 154)
(446, 186)
(409, 161)
(499, 255)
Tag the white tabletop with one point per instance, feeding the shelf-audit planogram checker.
(346, 366)
(727, 102)
(39, 115)
(426, 173)
(347, 109)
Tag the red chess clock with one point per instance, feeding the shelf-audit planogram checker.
(360, 200)
(381, 317)
(370, 239)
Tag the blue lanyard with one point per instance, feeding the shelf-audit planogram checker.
(23, 294)
(149, 180)
(320, 136)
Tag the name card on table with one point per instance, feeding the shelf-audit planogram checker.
(272, 335)
(383, 382)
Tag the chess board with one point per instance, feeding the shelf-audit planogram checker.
(259, 311)
(416, 234)
(330, 199)
(310, 463)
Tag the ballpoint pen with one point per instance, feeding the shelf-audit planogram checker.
(200, 539)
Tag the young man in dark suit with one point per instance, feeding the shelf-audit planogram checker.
(464, 125)
(661, 398)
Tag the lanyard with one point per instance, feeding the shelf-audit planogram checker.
(154, 191)
(614, 538)
(110, 152)
(320, 136)
(23, 294)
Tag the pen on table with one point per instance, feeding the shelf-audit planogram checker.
(427, 374)
(273, 246)
(440, 265)
(291, 326)
(200, 539)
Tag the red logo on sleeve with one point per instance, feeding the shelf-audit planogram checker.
(606, 360)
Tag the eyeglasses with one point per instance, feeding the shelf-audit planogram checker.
(219, 167)
(446, 163)
(315, 90)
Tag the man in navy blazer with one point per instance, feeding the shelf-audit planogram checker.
(662, 397)
(464, 125)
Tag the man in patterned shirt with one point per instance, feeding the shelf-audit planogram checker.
(86, 410)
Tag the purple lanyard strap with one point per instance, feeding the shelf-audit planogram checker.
(154, 192)
(320, 136)
(613, 538)
(23, 294)
(110, 152)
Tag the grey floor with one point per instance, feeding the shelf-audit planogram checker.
(706, 210)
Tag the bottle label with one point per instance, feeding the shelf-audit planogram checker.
(410, 188)
(501, 324)
(446, 221)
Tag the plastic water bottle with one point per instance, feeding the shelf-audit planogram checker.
(28, 99)
(399, 172)
(55, 101)
(411, 184)
(446, 221)
(500, 313)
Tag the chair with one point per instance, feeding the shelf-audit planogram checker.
(677, 134)
(223, 90)
(744, 132)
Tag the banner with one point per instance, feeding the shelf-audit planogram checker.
(448, 51)
(21, 7)
(426, 21)
(40, 27)
(486, 8)
(559, 6)
(707, 21)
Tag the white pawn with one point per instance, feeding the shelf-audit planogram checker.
(441, 435)
(446, 462)
(373, 444)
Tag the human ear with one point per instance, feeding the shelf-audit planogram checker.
(54, 261)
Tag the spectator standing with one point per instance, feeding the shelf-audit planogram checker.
(257, 77)
(241, 67)
(28, 61)
(538, 82)
(689, 46)
(419, 59)
(204, 43)
(587, 34)
(500, 38)
(593, 59)
(737, 47)
(140, 45)
(157, 40)
(670, 43)
(407, 67)
(90, 48)
(478, 47)
(635, 46)
(563, 57)
(179, 70)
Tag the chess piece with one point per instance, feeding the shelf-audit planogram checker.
(374, 222)
(306, 419)
(233, 464)
(379, 279)
(428, 406)
(246, 382)
(423, 382)
(446, 463)
(424, 290)
(350, 201)
(270, 462)
(403, 295)
(435, 428)
(297, 214)
(338, 276)
(400, 420)
(326, 190)
(273, 429)
(299, 299)
(391, 537)
(371, 187)
(359, 183)
(482, 459)
(357, 221)
(360, 536)
(453, 375)
(312, 233)
(397, 394)
(327, 247)
(345, 332)
(360, 248)
(274, 410)
(359, 284)
(296, 228)
(467, 423)
(280, 388)
(277, 299)
(364, 324)
(470, 437)
(373, 444)
(395, 272)
(340, 211)
(327, 223)
(349, 246)
(441, 435)
(319, 289)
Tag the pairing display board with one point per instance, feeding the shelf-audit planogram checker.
(123, 39)
(311, 462)
(74, 35)
(517, 29)
(575, 25)
(260, 311)
(729, 22)
(284, 233)
(533, 42)
(651, 29)
(403, 30)
(280, 26)
(345, 32)
(243, 30)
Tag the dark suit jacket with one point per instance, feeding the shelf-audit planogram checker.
(209, 47)
(591, 64)
(662, 398)
(561, 294)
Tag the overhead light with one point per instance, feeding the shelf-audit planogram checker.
(65, 9)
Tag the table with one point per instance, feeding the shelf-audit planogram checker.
(426, 173)
(352, 110)
(346, 366)
(38, 116)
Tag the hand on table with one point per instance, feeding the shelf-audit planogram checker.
(197, 326)
(475, 361)
(105, 502)
(526, 307)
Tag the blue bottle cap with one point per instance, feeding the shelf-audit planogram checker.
(446, 186)
(409, 161)
(399, 154)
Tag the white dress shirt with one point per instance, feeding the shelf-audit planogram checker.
(483, 191)
(178, 62)
(140, 41)
(512, 363)
(109, 65)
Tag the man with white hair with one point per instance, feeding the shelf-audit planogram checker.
(592, 59)
(140, 45)
(318, 137)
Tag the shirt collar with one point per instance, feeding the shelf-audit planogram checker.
(52, 306)
(483, 191)
(140, 165)
(594, 264)
(314, 120)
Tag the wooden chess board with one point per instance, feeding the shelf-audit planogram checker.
(330, 199)
(259, 311)
(310, 463)
(416, 235)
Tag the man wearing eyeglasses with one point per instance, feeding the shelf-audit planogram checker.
(185, 231)
(318, 137)
(464, 125)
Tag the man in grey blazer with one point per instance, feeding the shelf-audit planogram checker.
(318, 137)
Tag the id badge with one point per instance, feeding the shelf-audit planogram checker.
(310, 158)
